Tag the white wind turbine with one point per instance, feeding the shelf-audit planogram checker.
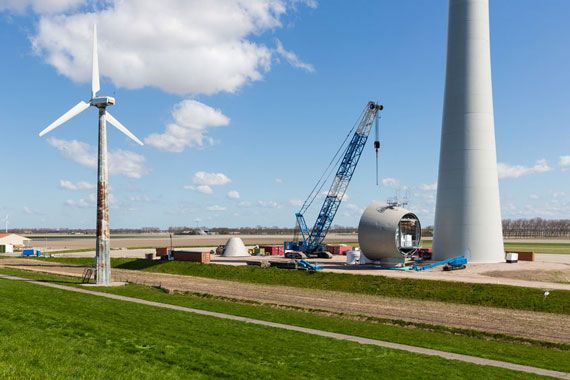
(103, 269)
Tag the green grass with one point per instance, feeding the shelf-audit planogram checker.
(512, 297)
(492, 346)
(57, 334)
(563, 248)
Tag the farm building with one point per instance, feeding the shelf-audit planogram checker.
(13, 239)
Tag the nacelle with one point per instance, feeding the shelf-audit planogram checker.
(102, 101)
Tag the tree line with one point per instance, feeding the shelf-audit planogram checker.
(536, 228)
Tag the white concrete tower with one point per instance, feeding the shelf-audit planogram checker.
(468, 213)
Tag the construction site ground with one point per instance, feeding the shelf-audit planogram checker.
(526, 324)
(548, 271)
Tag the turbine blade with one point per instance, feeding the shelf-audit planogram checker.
(95, 86)
(117, 124)
(76, 110)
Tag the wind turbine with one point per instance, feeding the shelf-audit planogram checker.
(103, 269)
(6, 223)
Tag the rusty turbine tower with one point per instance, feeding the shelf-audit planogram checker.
(103, 268)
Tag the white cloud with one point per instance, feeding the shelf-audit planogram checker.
(564, 162)
(233, 194)
(516, 171)
(204, 189)
(191, 121)
(534, 196)
(128, 164)
(293, 59)
(91, 201)
(86, 202)
(428, 186)
(351, 210)
(295, 202)
(268, 204)
(179, 46)
(39, 6)
(140, 198)
(202, 182)
(245, 204)
(210, 179)
(278, 180)
(121, 162)
(216, 208)
(390, 182)
(81, 185)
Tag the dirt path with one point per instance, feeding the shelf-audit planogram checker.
(526, 324)
(350, 338)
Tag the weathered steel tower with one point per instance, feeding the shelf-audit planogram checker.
(468, 214)
(103, 264)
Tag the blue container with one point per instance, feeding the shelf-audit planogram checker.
(28, 252)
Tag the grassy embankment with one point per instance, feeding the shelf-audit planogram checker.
(563, 248)
(512, 297)
(515, 350)
(58, 334)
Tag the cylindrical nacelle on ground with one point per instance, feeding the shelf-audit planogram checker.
(468, 214)
(388, 233)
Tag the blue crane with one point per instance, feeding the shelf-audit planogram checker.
(311, 243)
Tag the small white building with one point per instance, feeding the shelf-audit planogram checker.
(13, 239)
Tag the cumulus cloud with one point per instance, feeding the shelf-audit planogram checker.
(190, 123)
(39, 6)
(564, 162)
(210, 179)
(268, 204)
(233, 194)
(178, 46)
(86, 202)
(204, 189)
(82, 185)
(390, 182)
(202, 182)
(516, 171)
(428, 186)
(216, 208)
(90, 201)
(295, 202)
(121, 162)
(292, 58)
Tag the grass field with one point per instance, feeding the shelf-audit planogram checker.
(563, 248)
(491, 346)
(57, 334)
(512, 297)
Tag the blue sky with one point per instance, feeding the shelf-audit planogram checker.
(242, 105)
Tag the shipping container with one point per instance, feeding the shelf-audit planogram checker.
(274, 250)
(195, 256)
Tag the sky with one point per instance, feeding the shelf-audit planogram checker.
(242, 104)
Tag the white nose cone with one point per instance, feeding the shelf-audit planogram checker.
(235, 248)
(468, 214)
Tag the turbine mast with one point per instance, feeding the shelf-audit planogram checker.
(103, 272)
(468, 213)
